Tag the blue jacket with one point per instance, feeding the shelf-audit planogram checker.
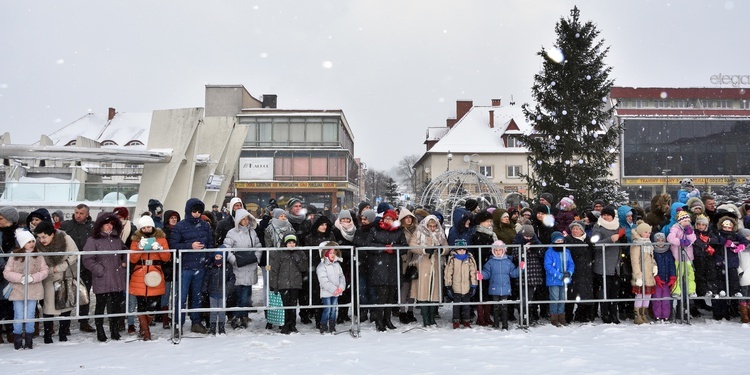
(190, 230)
(555, 266)
(622, 213)
(673, 217)
(665, 264)
(499, 270)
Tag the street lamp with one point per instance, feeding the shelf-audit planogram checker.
(665, 172)
(450, 157)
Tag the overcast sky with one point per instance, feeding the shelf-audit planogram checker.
(394, 67)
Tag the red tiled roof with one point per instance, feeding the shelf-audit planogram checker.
(679, 93)
(687, 112)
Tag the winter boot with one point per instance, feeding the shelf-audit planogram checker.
(403, 318)
(234, 323)
(198, 328)
(744, 313)
(323, 329)
(222, 329)
(212, 329)
(483, 316)
(638, 318)
(131, 329)
(644, 315)
(387, 319)
(143, 328)
(332, 326)
(114, 329)
(244, 322)
(64, 327)
(613, 313)
(84, 327)
(504, 316)
(380, 325)
(561, 319)
(165, 321)
(18, 341)
(48, 332)
(410, 315)
(554, 319)
(496, 315)
(100, 335)
(456, 323)
(466, 323)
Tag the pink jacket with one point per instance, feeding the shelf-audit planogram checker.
(677, 233)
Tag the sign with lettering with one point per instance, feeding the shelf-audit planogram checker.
(290, 185)
(734, 80)
(697, 181)
(253, 169)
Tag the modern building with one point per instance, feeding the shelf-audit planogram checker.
(676, 133)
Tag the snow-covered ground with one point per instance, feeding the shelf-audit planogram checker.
(703, 347)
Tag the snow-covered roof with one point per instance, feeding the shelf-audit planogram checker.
(123, 129)
(472, 133)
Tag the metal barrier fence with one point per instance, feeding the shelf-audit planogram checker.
(360, 266)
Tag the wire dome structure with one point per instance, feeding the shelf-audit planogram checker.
(452, 188)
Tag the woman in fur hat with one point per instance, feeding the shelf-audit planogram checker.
(426, 288)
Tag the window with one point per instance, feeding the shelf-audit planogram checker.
(109, 143)
(314, 132)
(679, 103)
(640, 103)
(330, 132)
(745, 104)
(707, 103)
(514, 171)
(722, 104)
(514, 142)
(297, 132)
(485, 170)
(661, 103)
(280, 132)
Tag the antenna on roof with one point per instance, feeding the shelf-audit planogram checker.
(512, 102)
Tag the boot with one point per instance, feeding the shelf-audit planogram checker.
(84, 327)
(100, 335)
(466, 323)
(36, 327)
(425, 316)
(504, 316)
(403, 318)
(410, 315)
(638, 318)
(613, 313)
(244, 322)
(379, 323)
(114, 329)
(222, 329)
(456, 323)
(487, 315)
(644, 315)
(48, 332)
(143, 328)
(561, 319)
(482, 316)
(606, 319)
(496, 315)
(744, 313)
(212, 329)
(64, 328)
(198, 328)
(165, 321)
(554, 320)
(28, 341)
(18, 341)
(343, 315)
(131, 329)
(387, 319)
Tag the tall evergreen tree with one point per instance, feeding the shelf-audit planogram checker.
(391, 191)
(574, 139)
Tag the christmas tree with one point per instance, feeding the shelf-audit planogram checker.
(574, 141)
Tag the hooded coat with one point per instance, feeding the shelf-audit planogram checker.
(499, 270)
(427, 286)
(244, 238)
(190, 230)
(504, 232)
(15, 270)
(108, 270)
(145, 261)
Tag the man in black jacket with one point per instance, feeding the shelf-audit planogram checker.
(79, 229)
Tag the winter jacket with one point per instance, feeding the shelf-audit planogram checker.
(732, 260)
(665, 264)
(459, 230)
(504, 232)
(224, 226)
(79, 232)
(15, 270)
(622, 212)
(243, 237)
(186, 232)
(673, 217)
(563, 220)
(582, 282)
(534, 259)
(219, 279)
(744, 268)
(428, 285)
(704, 240)
(499, 270)
(288, 268)
(644, 272)
(481, 237)
(330, 277)
(381, 264)
(108, 270)
(145, 261)
(461, 275)
(59, 266)
(611, 256)
(557, 261)
(677, 233)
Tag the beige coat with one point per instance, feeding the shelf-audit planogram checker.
(647, 272)
(426, 288)
(56, 274)
(461, 275)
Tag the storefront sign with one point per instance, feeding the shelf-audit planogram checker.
(291, 185)
(697, 181)
(734, 80)
(252, 169)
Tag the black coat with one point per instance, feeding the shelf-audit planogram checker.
(582, 281)
(382, 264)
(288, 268)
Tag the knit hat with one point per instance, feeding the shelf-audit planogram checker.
(23, 236)
(291, 202)
(681, 215)
(498, 245)
(578, 224)
(701, 219)
(471, 204)
(609, 210)
(482, 216)
(460, 242)
(664, 247)
(155, 206)
(598, 201)
(145, 221)
(566, 203)
(557, 236)
(369, 215)
(9, 213)
(744, 232)
(362, 206)
(390, 213)
(121, 212)
(289, 238)
(383, 207)
(527, 230)
(547, 197)
(526, 209)
(277, 212)
(345, 214)
(643, 229)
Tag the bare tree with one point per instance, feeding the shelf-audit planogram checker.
(376, 184)
(405, 172)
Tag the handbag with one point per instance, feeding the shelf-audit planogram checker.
(66, 291)
(411, 273)
(275, 316)
(243, 258)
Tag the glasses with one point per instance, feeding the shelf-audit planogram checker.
(527, 215)
(194, 211)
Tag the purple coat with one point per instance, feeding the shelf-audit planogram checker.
(109, 274)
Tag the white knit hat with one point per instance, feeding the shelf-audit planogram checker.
(145, 221)
(24, 236)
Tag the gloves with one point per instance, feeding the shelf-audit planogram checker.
(659, 281)
(672, 280)
(156, 246)
(710, 250)
(684, 242)
(522, 265)
(703, 238)
(688, 230)
(26, 280)
(729, 243)
(338, 292)
(656, 270)
(142, 243)
(639, 282)
(388, 249)
(449, 292)
(739, 248)
(479, 275)
(621, 233)
(566, 277)
(473, 290)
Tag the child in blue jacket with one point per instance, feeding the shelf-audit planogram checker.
(559, 266)
(498, 270)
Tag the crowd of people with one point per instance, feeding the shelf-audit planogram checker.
(600, 262)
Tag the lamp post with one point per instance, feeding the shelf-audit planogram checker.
(665, 172)
(450, 157)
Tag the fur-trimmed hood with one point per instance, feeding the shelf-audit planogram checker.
(104, 219)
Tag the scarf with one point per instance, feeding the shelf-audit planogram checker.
(57, 245)
(582, 238)
(461, 257)
(347, 231)
(611, 225)
(295, 219)
(281, 225)
(125, 231)
(645, 244)
(390, 228)
(487, 231)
